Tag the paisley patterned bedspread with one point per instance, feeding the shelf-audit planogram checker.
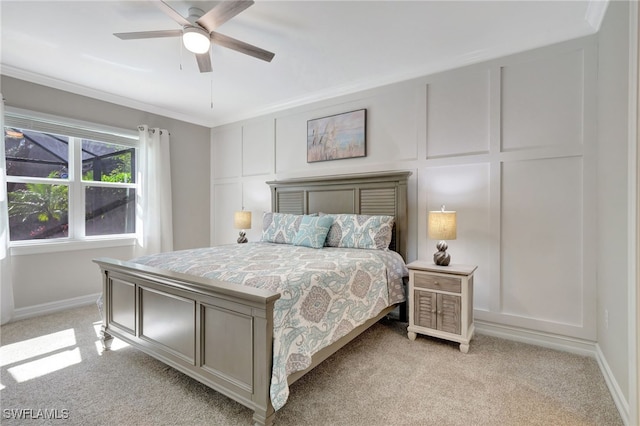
(325, 293)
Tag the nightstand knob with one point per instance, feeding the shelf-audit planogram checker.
(433, 311)
(439, 312)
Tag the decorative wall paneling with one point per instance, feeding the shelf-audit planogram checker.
(393, 117)
(226, 159)
(543, 101)
(507, 143)
(521, 130)
(257, 148)
(226, 199)
(465, 188)
(458, 113)
(242, 159)
(542, 253)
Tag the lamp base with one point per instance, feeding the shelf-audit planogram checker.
(441, 257)
(242, 238)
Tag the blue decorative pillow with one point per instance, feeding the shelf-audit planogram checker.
(360, 231)
(280, 228)
(313, 231)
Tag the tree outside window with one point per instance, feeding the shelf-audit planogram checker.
(68, 187)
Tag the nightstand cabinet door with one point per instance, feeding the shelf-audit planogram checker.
(425, 312)
(449, 319)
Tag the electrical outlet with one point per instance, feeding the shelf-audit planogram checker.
(606, 319)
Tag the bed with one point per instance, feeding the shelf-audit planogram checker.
(230, 337)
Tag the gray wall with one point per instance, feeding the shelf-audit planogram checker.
(54, 277)
(512, 145)
(613, 207)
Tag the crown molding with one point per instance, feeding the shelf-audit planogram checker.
(81, 90)
(451, 63)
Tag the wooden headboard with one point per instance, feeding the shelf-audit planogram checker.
(382, 193)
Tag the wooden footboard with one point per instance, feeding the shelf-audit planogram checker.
(217, 333)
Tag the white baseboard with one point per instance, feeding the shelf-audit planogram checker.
(49, 308)
(538, 338)
(561, 343)
(614, 389)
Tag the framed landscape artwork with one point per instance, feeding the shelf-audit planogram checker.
(337, 136)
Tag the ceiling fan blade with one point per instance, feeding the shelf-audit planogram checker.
(168, 10)
(148, 34)
(222, 12)
(241, 46)
(204, 62)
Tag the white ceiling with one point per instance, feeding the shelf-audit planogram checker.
(322, 48)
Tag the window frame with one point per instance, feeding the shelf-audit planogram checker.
(76, 130)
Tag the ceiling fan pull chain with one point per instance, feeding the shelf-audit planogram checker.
(211, 75)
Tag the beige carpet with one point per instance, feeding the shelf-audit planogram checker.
(381, 378)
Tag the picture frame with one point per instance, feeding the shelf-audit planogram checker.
(337, 137)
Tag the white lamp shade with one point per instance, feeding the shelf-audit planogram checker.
(442, 225)
(242, 220)
(196, 40)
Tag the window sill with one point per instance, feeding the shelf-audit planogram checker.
(18, 249)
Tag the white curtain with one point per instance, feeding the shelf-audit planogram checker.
(6, 285)
(155, 221)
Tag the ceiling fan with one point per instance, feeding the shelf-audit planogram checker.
(198, 31)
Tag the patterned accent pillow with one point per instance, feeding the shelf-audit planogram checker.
(360, 231)
(280, 228)
(313, 231)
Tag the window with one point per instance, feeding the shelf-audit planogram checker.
(67, 181)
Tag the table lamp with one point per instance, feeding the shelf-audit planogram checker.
(242, 221)
(442, 226)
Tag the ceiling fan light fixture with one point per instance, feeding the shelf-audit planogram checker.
(196, 40)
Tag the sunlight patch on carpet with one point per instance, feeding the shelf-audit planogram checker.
(38, 346)
(40, 367)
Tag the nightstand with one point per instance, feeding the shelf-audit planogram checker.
(441, 302)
